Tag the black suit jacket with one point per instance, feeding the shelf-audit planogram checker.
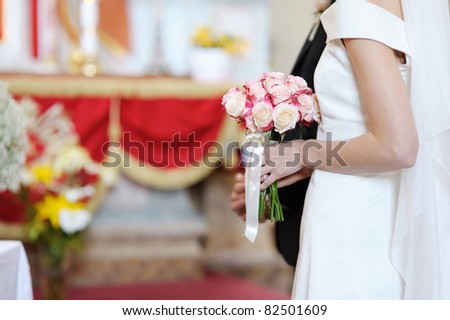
(292, 197)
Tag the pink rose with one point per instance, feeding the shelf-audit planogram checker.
(307, 106)
(263, 77)
(280, 93)
(250, 122)
(296, 84)
(273, 78)
(234, 102)
(228, 95)
(255, 89)
(285, 117)
(262, 115)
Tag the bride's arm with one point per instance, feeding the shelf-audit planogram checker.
(391, 142)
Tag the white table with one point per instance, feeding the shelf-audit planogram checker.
(15, 276)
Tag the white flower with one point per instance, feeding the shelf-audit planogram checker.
(26, 178)
(13, 140)
(285, 117)
(72, 221)
(71, 160)
(262, 115)
(76, 194)
(234, 102)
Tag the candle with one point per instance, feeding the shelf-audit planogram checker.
(88, 22)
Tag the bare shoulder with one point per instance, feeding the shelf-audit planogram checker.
(394, 6)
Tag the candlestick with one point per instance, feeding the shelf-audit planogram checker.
(88, 22)
(89, 18)
(159, 65)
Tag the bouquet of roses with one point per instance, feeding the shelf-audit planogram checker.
(269, 106)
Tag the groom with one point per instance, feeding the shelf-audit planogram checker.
(292, 197)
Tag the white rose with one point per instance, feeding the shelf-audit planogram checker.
(262, 114)
(235, 103)
(285, 117)
(72, 221)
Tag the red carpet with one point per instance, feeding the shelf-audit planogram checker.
(212, 287)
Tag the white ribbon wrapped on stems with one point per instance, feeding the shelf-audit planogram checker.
(253, 152)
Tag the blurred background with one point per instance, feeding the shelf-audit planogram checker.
(122, 101)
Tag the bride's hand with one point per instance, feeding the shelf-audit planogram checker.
(283, 162)
(295, 177)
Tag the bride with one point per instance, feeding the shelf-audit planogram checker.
(376, 221)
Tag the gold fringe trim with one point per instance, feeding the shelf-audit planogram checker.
(107, 86)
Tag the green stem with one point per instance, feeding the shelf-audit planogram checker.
(276, 211)
(262, 205)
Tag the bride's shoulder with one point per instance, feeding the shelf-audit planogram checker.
(364, 11)
(379, 20)
(393, 6)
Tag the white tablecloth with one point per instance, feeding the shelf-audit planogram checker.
(15, 276)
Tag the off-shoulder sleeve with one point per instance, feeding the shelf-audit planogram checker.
(361, 19)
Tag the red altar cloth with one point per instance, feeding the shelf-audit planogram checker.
(173, 132)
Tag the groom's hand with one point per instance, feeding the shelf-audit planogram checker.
(238, 196)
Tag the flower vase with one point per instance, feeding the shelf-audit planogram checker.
(210, 65)
(52, 285)
(52, 272)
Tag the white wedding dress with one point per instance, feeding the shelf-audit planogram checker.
(348, 220)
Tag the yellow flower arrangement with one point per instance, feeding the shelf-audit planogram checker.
(50, 207)
(205, 37)
(59, 184)
(42, 174)
(56, 199)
